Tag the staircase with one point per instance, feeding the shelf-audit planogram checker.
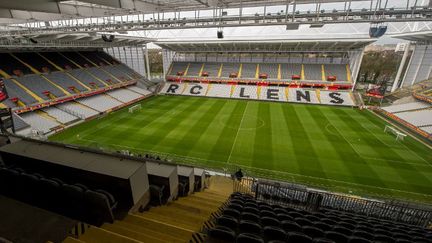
(178, 221)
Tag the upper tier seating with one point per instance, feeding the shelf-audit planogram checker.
(58, 59)
(85, 77)
(15, 91)
(229, 68)
(178, 67)
(39, 122)
(60, 115)
(245, 219)
(100, 102)
(212, 69)
(102, 75)
(416, 105)
(338, 70)
(194, 69)
(271, 69)
(290, 69)
(65, 81)
(8, 64)
(39, 85)
(124, 95)
(248, 70)
(77, 109)
(312, 72)
(36, 61)
(117, 71)
(417, 118)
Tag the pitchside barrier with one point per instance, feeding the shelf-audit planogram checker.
(294, 195)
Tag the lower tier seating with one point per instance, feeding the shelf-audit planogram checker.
(60, 115)
(139, 90)
(77, 109)
(124, 95)
(246, 219)
(39, 122)
(100, 103)
(417, 118)
(416, 105)
(269, 93)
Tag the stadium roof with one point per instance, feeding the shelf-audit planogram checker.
(420, 36)
(76, 40)
(18, 11)
(273, 45)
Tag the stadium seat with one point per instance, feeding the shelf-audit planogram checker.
(355, 239)
(250, 216)
(298, 238)
(270, 221)
(247, 226)
(290, 226)
(249, 238)
(231, 212)
(313, 232)
(220, 233)
(274, 233)
(337, 237)
(98, 209)
(228, 221)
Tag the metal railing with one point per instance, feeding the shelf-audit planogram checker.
(295, 195)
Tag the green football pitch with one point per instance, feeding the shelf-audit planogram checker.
(336, 148)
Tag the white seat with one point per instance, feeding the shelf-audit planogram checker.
(60, 115)
(124, 95)
(272, 93)
(219, 90)
(245, 92)
(336, 98)
(302, 96)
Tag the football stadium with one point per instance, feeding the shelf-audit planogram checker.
(216, 121)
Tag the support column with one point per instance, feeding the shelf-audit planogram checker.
(147, 62)
(356, 69)
(401, 66)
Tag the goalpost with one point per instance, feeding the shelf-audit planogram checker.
(399, 135)
(134, 108)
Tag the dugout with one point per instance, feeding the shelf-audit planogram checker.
(199, 175)
(186, 177)
(165, 178)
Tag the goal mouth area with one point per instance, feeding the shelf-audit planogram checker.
(399, 135)
(134, 108)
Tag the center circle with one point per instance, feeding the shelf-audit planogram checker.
(223, 120)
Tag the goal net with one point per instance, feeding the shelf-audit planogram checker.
(134, 108)
(394, 131)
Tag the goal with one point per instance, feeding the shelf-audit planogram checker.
(134, 108)
(399, 135)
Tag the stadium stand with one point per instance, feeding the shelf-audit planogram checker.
(417, 118)
(274, 71)
(228, 68)
(139, 90)
(416, 105)
(194, 69)
(245, 219)
(39, 122)
(19, 123)
(100, 103)
(40, 86)
(124, 95)
(312, 71)
(61, 116)
(77, 109)
(66, 81)
(270, 93)
(248, 71)
(16, 91)
(178, 67)
(212, 69)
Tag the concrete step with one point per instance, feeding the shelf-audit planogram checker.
(145, 230)
(97, 235)
(72, 240)
(128, 232)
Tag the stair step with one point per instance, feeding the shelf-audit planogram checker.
(128, 232)
(145, 230)
(209, 198)
(168, 210)
(72, 240)
(97, 235)
(207, 203)
(190, 209)
(172, 220)
(203, 208)
(158, 225)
